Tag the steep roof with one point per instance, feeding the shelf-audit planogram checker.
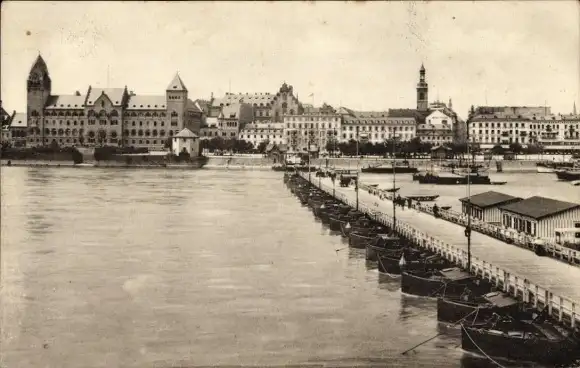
(539, 207)
(176, 84)
(490, 199)
(194, 105)
(231, 112)
(440, 147)
(39, 62)
(19, 120)
(114, 94)
(146, 102)
(66, 102)
(186, 133)
(250, 98)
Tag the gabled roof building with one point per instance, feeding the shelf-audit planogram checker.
(106, 116)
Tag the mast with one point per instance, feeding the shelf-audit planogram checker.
(468, 228)
(394, 188)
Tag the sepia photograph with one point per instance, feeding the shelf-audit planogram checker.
(290, 184)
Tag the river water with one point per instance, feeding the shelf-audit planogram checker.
(155, 268)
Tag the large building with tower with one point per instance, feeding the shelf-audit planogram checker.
(106, 116)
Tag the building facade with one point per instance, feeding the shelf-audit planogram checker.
(233, 118)
(185, 141)
(486, 206)
(266, 106)
(437, 129)
(259, 132)
(313, 131)
(540, 217)
(527, 126)
(106, 116)
(376, 127)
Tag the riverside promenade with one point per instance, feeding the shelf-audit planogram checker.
(541, 281)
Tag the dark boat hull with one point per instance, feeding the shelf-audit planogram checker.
(443, 180)
(360, 241)
(453, 311)
(568, 175)
(389, 170)
(425, 286)
(496, 344)
(372, 252)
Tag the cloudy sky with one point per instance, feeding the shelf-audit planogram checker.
(364, 56)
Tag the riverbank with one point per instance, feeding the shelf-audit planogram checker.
(264, 163)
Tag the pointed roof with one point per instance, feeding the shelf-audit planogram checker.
(39, 62)
(176, 84)
(422, 67)
(186, 133)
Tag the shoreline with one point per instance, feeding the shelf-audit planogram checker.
(262, 164)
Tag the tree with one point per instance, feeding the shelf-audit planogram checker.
(168, 143)
(516, 147)
(262, 146)
(534, 149)
(348, 148)
(54, 145)
(497, 149)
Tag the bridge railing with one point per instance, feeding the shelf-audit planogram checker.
(564, 309)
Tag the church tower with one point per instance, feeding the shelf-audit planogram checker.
(38, 87)
(422, 91)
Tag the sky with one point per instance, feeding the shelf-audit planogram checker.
(364, 55)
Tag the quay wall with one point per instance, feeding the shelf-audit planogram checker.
(564, 309)
(239, 162)
(515, 166)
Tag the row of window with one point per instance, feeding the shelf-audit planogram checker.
(520, 225)
(113, 113)
(523, 125)
(311, 118)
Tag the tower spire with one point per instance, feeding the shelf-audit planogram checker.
(574, 109)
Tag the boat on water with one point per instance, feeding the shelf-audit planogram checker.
(410, 260)
(434, 283)
(569, 175)
(552, 166)
(449, 178)
(475, 308)
(422, 197)
(360, 238)
(382, 244)
(537, 340)
(399, 168)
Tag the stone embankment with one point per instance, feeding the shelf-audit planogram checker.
(239, 162)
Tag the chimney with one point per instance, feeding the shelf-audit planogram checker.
(77, 93)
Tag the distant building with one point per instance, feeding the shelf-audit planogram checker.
(540, 216)
(259, 132)
(18, 129)
(497, 125)
(266, 106)
(441, 153)
(311, 131)
(4, 115)
(437, 128)
(486, 206)
(106, 116)
(186, 141)
(376, 126)
(232, 118)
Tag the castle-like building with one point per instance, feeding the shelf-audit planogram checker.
(106, 116)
